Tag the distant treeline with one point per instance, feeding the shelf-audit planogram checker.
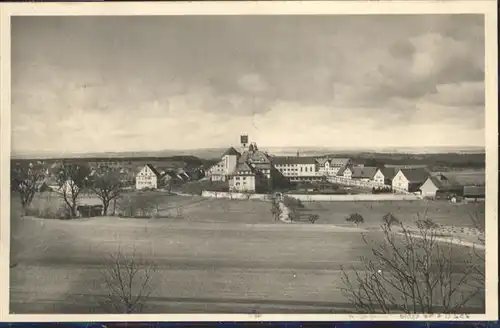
(188, 160)
(441, 161)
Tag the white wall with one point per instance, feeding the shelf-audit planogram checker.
(428, 189)
(242, 183)
(378, 177)
(312, 198)
(233, 195)
(350, 198)
(399, 182)
(146, 179)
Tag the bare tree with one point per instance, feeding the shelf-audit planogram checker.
(412, 272)
(72, 178)
(26, 180)
(107, 185)
(128, 282)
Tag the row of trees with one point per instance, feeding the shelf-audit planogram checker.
(72, 180)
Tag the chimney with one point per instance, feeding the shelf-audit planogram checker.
(298, 154)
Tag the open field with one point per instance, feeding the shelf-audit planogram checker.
(217, 256)
(199, 209)
(201, 267)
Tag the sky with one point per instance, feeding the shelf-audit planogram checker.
(92, 84)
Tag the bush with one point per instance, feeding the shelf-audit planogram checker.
(292, 203)
(355, 218)
(48, 207)
(427, 224)
(144, 206)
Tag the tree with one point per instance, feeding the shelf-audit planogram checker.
(356, 218)
(72, 178)
(412, 272)
(107, 185)
(128, 282)
(26, 180)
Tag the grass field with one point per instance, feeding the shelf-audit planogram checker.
(218, 256)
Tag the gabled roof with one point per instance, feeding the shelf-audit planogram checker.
(244, 169)
(153, 169)
(171, 174)
(255, 156)
(443, 183)
(280, 160)
(389, 172)
(343, 169)
(405, 166)
(366, 172)
(231, 151)
(475, 191)
(415, 175)
(322, 160)
(339, 161)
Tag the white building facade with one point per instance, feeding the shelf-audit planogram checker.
(147, 178)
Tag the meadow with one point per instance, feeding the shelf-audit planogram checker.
(216, 256)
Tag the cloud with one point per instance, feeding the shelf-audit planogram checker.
(200, 81)
(252, 83)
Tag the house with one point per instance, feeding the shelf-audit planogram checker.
(297, 169)
(440, 186)
(147, 178)
(331, 166)
(225, 167)
(244, 179)
(368, 174)
(345, 172)
(409, 179)
(474, 192)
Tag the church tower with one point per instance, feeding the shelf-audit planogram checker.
(244, 142)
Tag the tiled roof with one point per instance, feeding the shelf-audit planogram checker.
(476, 191)
(389, 172)
(444, 183)
(339, 161)
(343, 169)
(322, 160)
(280, 160)
(231, 151)
(244, 169)
(405, 166)
(256, 156)
(152, 168)
(366, 172)
(415, 175)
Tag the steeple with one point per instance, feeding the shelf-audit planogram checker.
(298, 154)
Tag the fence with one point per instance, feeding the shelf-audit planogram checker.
(361, 183)
(233, 195)
(354, 182)
(351, 198)
(312, 197)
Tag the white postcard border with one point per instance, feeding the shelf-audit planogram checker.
(488, 8)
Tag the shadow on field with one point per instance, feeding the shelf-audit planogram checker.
(89, 303)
